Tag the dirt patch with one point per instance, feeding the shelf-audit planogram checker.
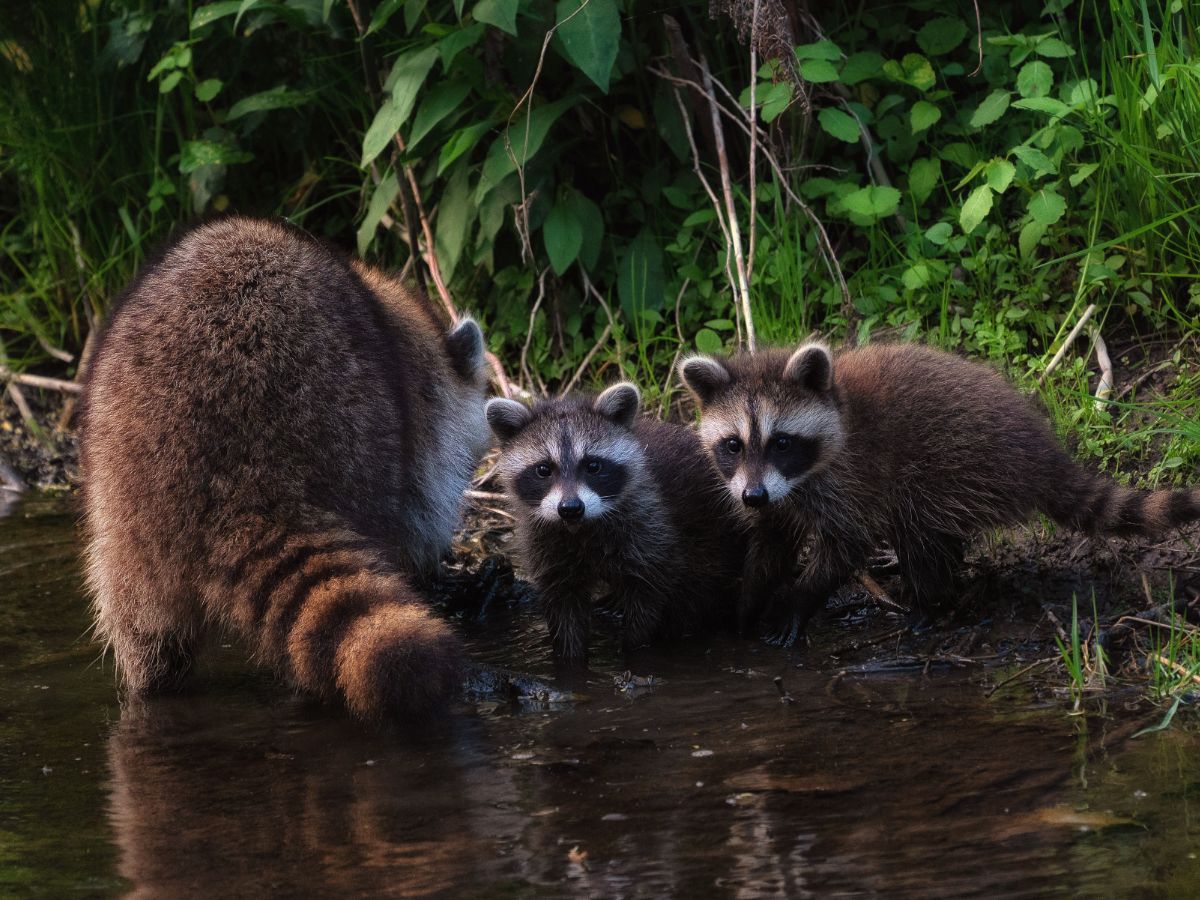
(43, 456)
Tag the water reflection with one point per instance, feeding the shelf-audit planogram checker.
(704, 785)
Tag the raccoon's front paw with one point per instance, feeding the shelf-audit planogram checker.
(787, 616)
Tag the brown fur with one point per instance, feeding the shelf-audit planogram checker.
(933, 449)
(271, 439)
(660, 543)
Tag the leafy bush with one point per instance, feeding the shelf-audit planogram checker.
(973, 196)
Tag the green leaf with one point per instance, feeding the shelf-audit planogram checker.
(990, 109)
(381, 198)
(525, 136)
(861, 66)
(916, 277)
(774, 100)
(999, 174)
(590, 37)
(195, 154)
(941, 35)
(562, 233)
(243, 8)
(923, 176)
(441, 100)
(1052, 48)
(1048, 105)
(455, 214)
(1082, 173)
(708, 341)
(914, 70)
(462, 141)
(818, 71)
(975, 210)
(839, 124)
(1047, 207)
(592, 223)
(826, 50)
(940, 233)
(1035, 79)
(872, 203)
(1031, 235)
(640, 279)
(1035, 159)
(699, 217)
(211, 12)
(276, 98)
(501, 13)
(169, 81)
(208, 89)
(383, 12)
(459, 40)
(922, 115)
(405, 80)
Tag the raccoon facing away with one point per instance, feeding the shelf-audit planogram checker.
(609, 502)
(901, 443)
(274, 439)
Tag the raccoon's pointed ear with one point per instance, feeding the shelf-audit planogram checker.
(506, 417)
(811, 367)
(703, 376)
(619, 403)
(464, 345)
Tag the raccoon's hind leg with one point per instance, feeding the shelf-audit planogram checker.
(153, 637)
(928, 565)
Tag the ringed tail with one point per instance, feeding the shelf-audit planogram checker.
(1098, 505)
(339, 619)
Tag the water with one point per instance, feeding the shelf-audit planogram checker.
(702, 784)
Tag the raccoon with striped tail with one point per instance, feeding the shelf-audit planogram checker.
(901, 443)
(607, 501)
(274, 442)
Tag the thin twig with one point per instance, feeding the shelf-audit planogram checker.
(752, 116)
(1062, 351)
(522, 212)
(38, 381)
(999, 684)
(85, 363)
(1179, 668)
(731, 209)
(586, 361)
(18, 399)
(1104, 389)
(876, 591)
(526, 378)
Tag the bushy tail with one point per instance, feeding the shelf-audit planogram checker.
(343, 623)
(1099, 505)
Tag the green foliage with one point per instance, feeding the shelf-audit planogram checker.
(976, 194)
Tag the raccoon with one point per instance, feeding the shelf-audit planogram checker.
(901, 443)
(273, 441)
(604, 499)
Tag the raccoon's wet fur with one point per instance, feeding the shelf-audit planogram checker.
(901, 443)
(273, 440)
(607, 501)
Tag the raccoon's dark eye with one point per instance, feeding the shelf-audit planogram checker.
(733, 445)
(542, 470)
(782, 443)
(592, 467)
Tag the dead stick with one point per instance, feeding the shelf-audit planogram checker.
(586, 361)
(1062, 351)
(730, 207)
(752, 116)
(1105, 388)
(999, 684)
(1172, 664)
(38, 381)
(881, 596)
(85, 363)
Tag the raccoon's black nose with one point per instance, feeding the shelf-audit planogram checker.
(754, 496)
(570, 510)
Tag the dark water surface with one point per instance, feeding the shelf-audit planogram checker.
(704, 784)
